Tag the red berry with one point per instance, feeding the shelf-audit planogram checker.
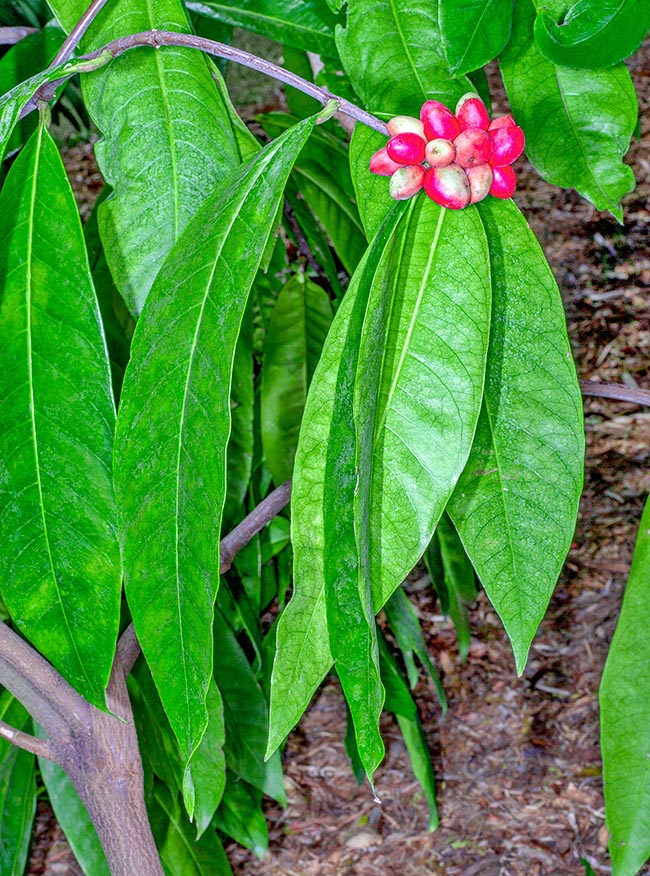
(507, 145)
(471, 112)
(404, 124)
(504, 182)
(439, 152)
(473, 147)
(501, 122)
(382, 164)
(439, 122)
(407, 148)
(480, 179)
(406, 182)
(447, 186)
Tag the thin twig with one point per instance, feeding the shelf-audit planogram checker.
(76, 34)
(617, 391)
(40, 747)
(9, 36)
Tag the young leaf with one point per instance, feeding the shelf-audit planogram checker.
(591, 33)
(151, 105)
(474, 34)
(578, 123)
(59, 561)
(17, 791)
(298, 328)
(173, 429)
(523, 480)
(625, 719)
(400, 36)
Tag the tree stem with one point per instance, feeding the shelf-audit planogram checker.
(76, 34)
(617, 391)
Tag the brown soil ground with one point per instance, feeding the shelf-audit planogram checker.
(517, 759)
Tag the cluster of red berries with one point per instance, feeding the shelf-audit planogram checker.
(457, 158)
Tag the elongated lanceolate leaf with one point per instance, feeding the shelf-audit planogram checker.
(578, 123)
(167, 138)
(17, 791)
(475, 32)
(625, 719)
(299, 324)
(59, 556)
(174, 424)
(392, 52)
(591, 33)
(304, 24)
(371, 190)
(516, 503)
(425, 341)
(241, 816)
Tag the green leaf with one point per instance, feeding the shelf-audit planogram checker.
(400, 703)
(299, 104)
(316, 238)
(625, 719)
(459, 581)
(180, 852)
(474, 33)
(371, 190)
(205, 775)
(578, 124)
(72, 816)
(299, 324)
(431, 301)
(173, 428)
(151, 105)
(304, 24)
(241, 816)
(591, 33)
(17, 791)
(59, 562)
(392, 52)
(515, 505)
(240, 443)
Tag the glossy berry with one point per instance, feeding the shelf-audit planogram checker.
(382, 164)
(439, 152)
(507, 145)
(504, 182)
(405, 124)
(438, 121)
(473, 147)
(406, 182)
(407, 148)
(480, 180)
(448, 186)
(471, 112)
(501, 122)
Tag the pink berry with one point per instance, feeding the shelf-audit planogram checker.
(507, 145)
(382, 164)
(473, 147)
(480, 180)
(439, 122)
(405, 124)
(439, 152)
(471, 112)
(504, 182)
(501, 122)
(447, 186)
(406, 182)
(407, 148)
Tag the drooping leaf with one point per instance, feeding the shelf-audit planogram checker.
(315, 237)
(474, 33)
(516, 502)
(205, 775)
(304, 24)
(180, 852)
(152, 105)
(240, 442)
(174, 424)
(59, 558)
(433, 300)
(458, 580)
(578, 123)
(299, 324)
(17, 791)
(403, 37)
(591, 33)
(241, 816)
(625, 719)
(400, 703)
